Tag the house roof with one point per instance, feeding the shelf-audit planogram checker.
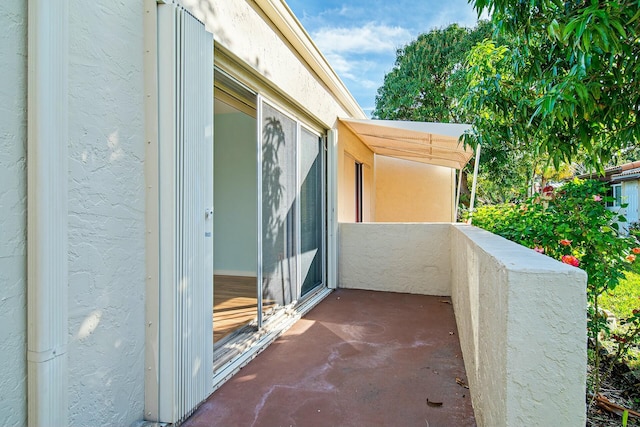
(623, 172)
(424, 142)
(626, 175)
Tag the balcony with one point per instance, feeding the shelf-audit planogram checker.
(424, 310)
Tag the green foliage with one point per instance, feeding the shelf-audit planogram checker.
(427, 80)
(572, 224)
(429, 83)
(568, 83)
(576, 213)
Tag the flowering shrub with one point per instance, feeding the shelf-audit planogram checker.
(572, 224)
(571, 260)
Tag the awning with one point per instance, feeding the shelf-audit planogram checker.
(424, 142)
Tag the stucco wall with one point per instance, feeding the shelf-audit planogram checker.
(13, 207)
(106, 213)
(521, 319)
(411, 258)
(351, 150)
(241, 27)
(413, 192)
(235, 194)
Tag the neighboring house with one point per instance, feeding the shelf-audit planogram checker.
(150, 146)
(624, 188)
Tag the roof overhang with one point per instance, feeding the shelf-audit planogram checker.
(432, 143)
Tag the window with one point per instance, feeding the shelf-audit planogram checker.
(615, 191)
(358, 189)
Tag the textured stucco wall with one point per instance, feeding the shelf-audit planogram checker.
(106, 213)
(521, 319)
(351, 150)
(241, 27)
(411, 258)
(13, 208)
(413, 192)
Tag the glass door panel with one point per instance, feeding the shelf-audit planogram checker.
(278, 206)
(311, 211)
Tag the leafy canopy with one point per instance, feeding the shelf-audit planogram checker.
(568, 84)
(429, 83)
(428, 79)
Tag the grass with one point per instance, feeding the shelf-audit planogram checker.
(622, 301)
(626, 296)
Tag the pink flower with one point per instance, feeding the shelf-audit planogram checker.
(597, 198)
(539, 249)
(571, 260)
(631, 257)
(565, 242)
(636, 251)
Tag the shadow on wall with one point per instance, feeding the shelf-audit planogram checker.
(204, 11)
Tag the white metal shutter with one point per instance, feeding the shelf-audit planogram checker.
(185, 176)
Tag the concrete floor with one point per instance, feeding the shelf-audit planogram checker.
(359, 358)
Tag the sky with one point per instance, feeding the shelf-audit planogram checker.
(359, 38)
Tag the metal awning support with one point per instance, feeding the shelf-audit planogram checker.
(458, 190)
(475, 184)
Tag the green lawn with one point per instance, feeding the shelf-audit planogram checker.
(626, 296)
(623, 300)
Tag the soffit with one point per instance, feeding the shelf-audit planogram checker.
(424, 142)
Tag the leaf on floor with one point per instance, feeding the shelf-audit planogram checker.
(461, 383)
(433, 404)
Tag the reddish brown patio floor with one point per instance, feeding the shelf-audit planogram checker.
(359, 358)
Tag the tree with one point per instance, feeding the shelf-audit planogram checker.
(427, 80)
(570, 83)
(428, 83)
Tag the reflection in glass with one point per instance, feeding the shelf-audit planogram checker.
(278, 207)
(310, 211)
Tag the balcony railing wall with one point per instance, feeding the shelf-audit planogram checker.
(521, 316)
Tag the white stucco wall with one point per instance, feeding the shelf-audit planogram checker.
(521, 319)
(13, 208)
(411, 258)
(241, 27)
(106, 213)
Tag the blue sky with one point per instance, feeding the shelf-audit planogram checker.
(360, 37)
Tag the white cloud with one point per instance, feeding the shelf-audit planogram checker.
(346, 64)
(369, 38)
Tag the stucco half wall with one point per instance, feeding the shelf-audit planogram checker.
(395, 257)
(521, 319)
(521, 316)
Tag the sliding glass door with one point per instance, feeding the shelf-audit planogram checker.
(279, 190)
(291, 209)
(311, 211)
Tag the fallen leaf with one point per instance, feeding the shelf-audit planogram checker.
(434, 404)
(461, 383)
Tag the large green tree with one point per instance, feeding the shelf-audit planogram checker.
(427, 81)
(569, 84)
